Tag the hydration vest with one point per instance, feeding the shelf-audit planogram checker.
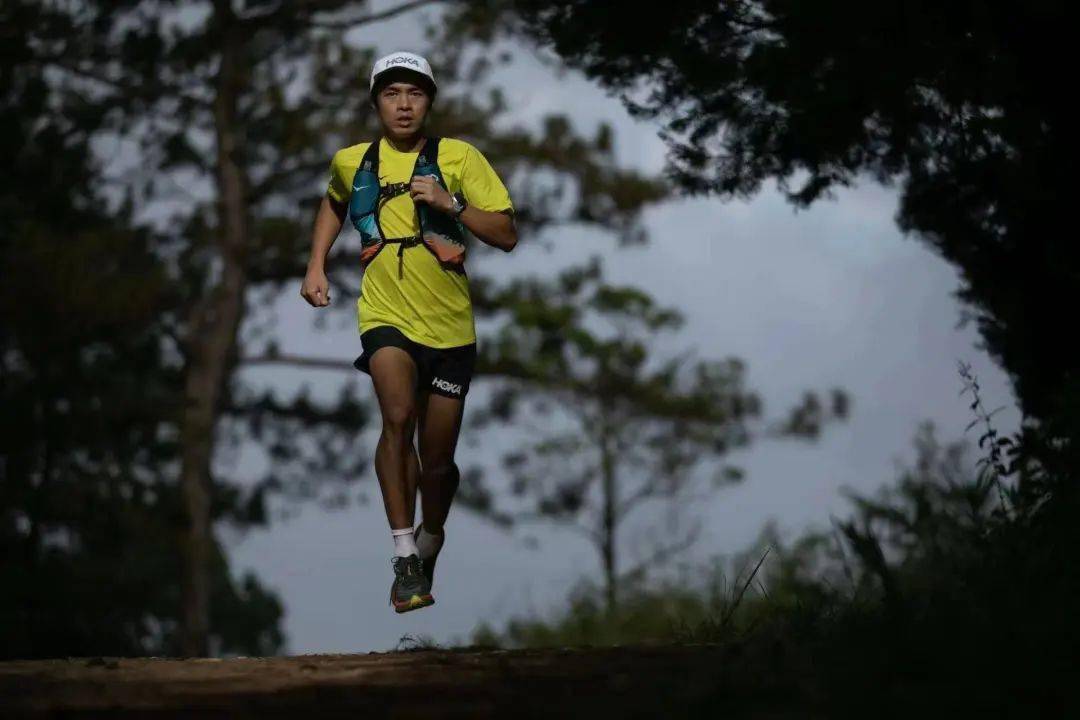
(442, 234)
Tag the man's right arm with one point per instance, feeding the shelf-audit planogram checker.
(328, 221)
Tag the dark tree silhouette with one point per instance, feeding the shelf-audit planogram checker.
(960, 103)
(89, 395)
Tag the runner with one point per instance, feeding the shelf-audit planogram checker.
(409, 195)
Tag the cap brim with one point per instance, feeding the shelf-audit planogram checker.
(404, 75)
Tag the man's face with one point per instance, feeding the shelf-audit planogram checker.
(402, 108)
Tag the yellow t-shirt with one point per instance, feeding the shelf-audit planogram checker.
(429, 304)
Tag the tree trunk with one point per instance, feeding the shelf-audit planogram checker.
(607, 467)
(212, 328)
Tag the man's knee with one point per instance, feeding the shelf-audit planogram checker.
(397, 420)
(441, 467)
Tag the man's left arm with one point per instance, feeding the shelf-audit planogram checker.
(495, 228)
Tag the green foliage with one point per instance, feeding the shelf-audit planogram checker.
(689, 608)
(913, 538)
(938, 592)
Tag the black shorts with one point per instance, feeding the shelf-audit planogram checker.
(446, 371)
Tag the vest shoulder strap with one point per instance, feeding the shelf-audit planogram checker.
(370, 161)
(429, 154)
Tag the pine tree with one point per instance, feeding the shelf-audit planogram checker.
(89, 396)
(236, 110)
(610, 424)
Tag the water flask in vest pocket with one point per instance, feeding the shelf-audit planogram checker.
(447, 250)
(441, 233)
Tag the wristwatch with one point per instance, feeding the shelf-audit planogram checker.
(459, 204)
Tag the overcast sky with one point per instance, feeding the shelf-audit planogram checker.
(833, 296)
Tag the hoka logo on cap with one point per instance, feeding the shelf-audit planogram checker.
(408, 60)
(402, 60)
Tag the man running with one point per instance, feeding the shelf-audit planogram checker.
(409, 194)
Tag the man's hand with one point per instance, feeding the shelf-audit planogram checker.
(424, 189)
(316, 288)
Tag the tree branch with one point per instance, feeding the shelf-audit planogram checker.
(121, 86)
(373, 17)
(648, 489)
(286, 13)
(663, 552)
(589, 533)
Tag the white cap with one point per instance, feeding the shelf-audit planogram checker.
(407, 60)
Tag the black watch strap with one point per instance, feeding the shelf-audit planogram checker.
(459, 202)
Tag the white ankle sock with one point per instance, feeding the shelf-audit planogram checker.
(404, 544)
(428, 544)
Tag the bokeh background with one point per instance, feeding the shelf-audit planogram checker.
(731, 353)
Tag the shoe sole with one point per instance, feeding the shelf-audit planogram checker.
(414, 603)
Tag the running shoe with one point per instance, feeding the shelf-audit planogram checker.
(410, 589)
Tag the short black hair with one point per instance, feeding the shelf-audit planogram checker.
(401, 74)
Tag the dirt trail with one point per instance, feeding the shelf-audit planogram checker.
(638, 681)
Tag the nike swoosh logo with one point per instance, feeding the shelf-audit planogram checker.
(358, 189)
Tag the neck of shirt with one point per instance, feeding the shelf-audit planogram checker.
(413, 149)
